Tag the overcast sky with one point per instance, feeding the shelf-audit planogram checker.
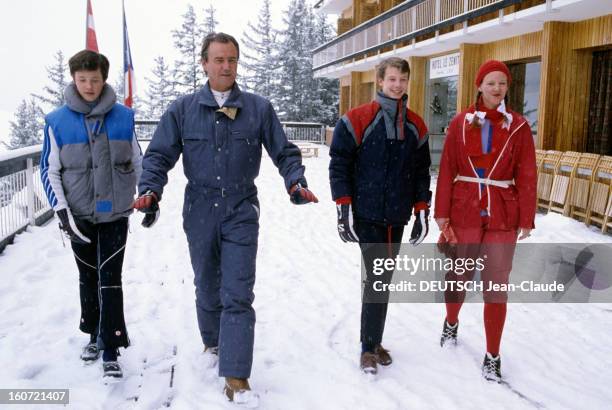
(31, 31)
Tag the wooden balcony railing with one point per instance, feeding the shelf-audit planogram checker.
(403, 22)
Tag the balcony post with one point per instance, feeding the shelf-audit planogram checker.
(30, 190)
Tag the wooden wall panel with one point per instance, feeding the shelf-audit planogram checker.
(364, 10)
(345, 99)
(549, 92)
(592, 33)
(469, 62)
(367, 91)
(355, 89)
(368, 76)
(416, 85)
(369, 11)
(523, 47)
(560, 131)
(357, 11)
(344, 25)
(385, 5)
(565, 81)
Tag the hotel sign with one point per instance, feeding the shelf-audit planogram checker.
(444, 66)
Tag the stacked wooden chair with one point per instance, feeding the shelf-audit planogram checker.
(600, 203)
(578, 185)
(580, 188)
(546, 174)
(563, 176)
(540, 154)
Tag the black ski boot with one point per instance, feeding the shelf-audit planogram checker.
(491, 368)
(90, 352)
(449, 334)
(112, 371)
(111, 367)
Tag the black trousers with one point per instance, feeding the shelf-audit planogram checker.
(100, 264)
(375, 241)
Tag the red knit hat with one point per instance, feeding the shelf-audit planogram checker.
(490, 66)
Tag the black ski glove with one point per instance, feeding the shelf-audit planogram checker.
(420, 228)
(148, 203)
(345, 223)
(69, 228)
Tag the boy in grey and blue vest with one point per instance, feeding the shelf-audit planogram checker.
(90, 165)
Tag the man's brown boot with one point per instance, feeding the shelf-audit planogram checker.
(368, 363)
(382, 355)
(238, 391)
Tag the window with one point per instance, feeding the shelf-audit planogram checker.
(524, 92)
(599, 140)
(441, 103)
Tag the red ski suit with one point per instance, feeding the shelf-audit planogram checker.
(513, 158)
(487, 214)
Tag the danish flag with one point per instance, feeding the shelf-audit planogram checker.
(91, 43)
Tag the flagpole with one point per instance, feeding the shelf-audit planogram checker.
(91, 42)
(86, 20)
(128, 67)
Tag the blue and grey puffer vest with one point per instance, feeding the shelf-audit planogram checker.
(95, 149)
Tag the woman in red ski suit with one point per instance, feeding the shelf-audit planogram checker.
(486, 199)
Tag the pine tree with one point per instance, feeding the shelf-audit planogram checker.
(119, 85)
(159, 93)
(259, 55)
(119, 88)
(297, 91)
(57, 74)
(187, 72)
(210, 23)
(303, 97)
(27, 128)
(328, 89)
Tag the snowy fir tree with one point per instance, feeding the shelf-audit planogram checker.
(301, 96)
(259, 57)
(27, 129)
(160, 91)
(295, 74)
(57, 74)
(119, 88)
(187, 71)
(328, 88)
(118, 85)
(210, 23)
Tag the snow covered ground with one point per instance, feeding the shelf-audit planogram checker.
(558, 356)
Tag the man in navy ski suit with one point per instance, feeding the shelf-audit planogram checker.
(220, 131)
